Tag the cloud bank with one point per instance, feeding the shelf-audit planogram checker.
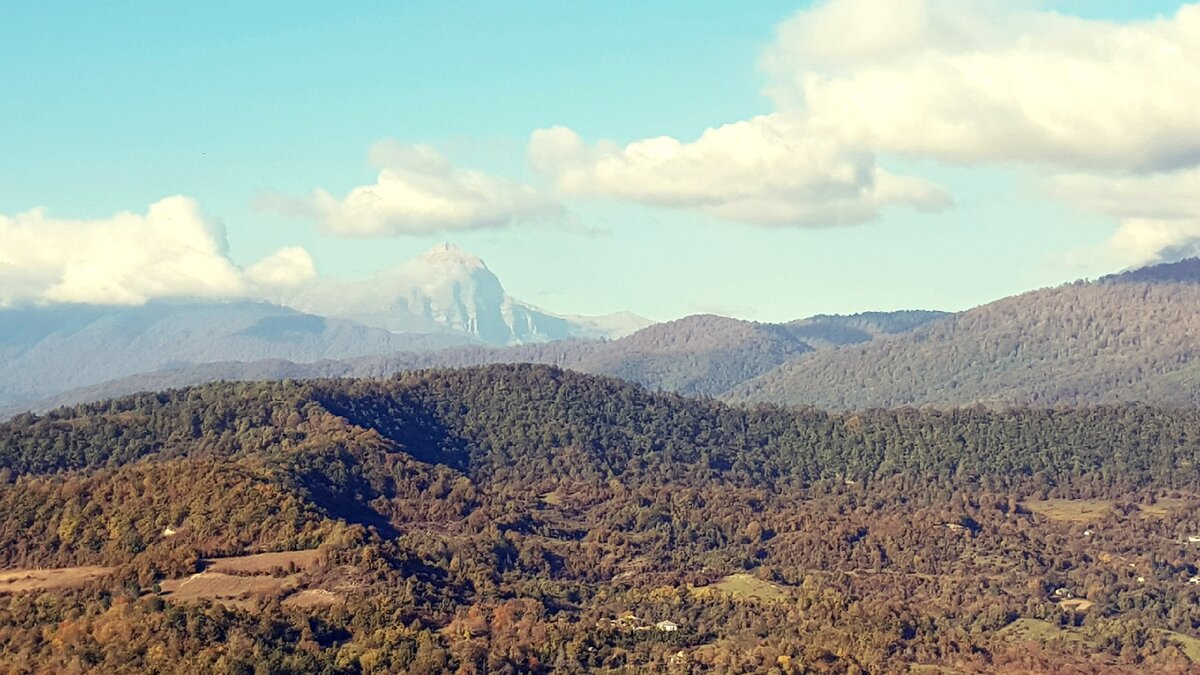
(992, 82)
(419, 192)
(763, 170)
(172, 250)
(857, 82)
(1159, 214)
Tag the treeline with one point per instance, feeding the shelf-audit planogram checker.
(1086, 343)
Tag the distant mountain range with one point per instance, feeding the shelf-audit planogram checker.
(446, 298)
(48, 350)
(1125, 337)
(702, 355)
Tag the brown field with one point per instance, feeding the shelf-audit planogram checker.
(21, 581)
(313, 597)
(747, 586)
(1092, 510)
(1160, 508)
(260, 563)
(1077, 604)
(1189, 645)
(1035, 630)
(231, 581)
(1071, 510)
(218, 586)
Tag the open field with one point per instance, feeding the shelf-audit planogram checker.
(1164, 505)
(1041, 631)
(236, 578)
(1077, 604)
(1092, 510)
(1189, 645)
(260, 563)
(225, 587)
(313, 597)
(1037, 630)
(21, 581)
(747, 586)
(1071, 510)
(230, 580)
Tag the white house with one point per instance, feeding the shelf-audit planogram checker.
(667, 626)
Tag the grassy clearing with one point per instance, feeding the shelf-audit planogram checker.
(1165, 505)
(1189, 645)
(1092, 510)
(234, 580)
(1072, 510)
(746, 586)
(225, 587)
(22, 581)
(313, 597)
(1035, 630)
(261, 563)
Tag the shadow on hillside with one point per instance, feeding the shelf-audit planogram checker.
(359, 514)
(335, 480)
(419, 431)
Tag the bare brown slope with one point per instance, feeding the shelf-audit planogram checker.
(1109, 341)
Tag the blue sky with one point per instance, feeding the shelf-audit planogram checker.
(110, 107)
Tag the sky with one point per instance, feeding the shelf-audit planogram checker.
(766, 160)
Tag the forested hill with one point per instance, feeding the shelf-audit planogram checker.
(544, 424)
(696, 355)
(1130, 337)
(523, 518)
(1184, 271)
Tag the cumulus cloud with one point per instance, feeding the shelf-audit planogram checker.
(1159, 214)
(419, 192)
(286, 268)
(172, 250)
(856, 82)
(984, 81)
(763, 170)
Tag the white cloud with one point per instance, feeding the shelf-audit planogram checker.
(1159, 214)
(284, 269)
(419, 192)
(172, 250)
(765, 170)
(952, 81)
(985, 82)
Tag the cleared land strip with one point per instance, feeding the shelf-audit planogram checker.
(20, 581)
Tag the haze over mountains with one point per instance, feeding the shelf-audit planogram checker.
(698, 355)
(445, 298)
(448, 289)
(1125, 337)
